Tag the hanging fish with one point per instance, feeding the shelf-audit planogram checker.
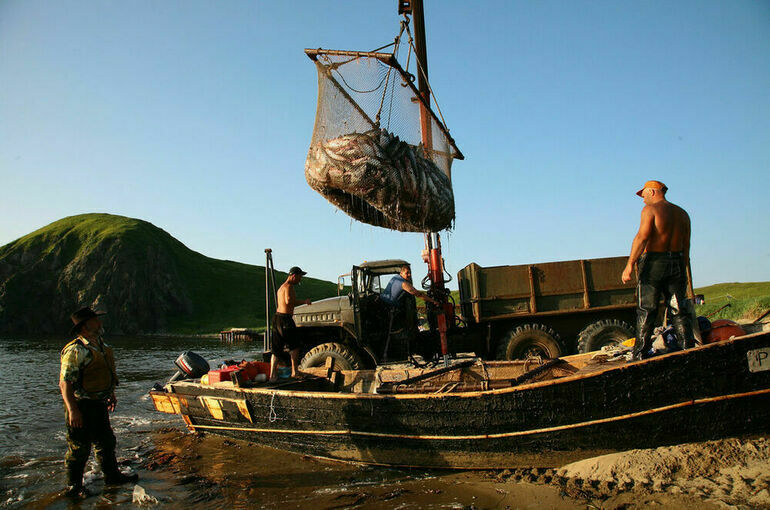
(378, 179)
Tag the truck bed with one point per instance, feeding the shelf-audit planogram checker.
(552, 288)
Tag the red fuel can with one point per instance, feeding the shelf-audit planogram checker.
(222, 374)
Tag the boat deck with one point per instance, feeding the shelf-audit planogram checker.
(464, 374)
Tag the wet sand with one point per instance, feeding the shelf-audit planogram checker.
(724, 473)
(221, 471)
(209, 470)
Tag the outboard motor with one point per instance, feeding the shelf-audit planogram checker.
(191, 366)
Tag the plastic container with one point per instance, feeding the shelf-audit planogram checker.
(721, 330)
(251, 369)
(284, 372)
(222, 374)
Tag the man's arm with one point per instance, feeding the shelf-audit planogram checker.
(69, 373)
(411, 290)
(294, 301)
(686, 241)
(73, 411)
(640, 242)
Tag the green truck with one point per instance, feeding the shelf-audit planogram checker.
(548, 309)
(504, 312)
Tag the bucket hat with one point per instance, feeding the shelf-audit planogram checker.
(81, 317)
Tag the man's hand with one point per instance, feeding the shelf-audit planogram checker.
(112, 403)
(627, 274)
(75, 418)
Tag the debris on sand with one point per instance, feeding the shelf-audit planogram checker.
(140, 497)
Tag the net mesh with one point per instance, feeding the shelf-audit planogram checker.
(367, 156)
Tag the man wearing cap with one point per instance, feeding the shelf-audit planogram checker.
(662, 249)
(87, 382)
(284, 329)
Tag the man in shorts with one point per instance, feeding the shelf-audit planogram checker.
(662, 249)
(284, 331)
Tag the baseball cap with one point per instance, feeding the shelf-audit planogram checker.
(653, 185)
(297, 270)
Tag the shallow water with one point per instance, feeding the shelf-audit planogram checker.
(32, 441)
(182, 470)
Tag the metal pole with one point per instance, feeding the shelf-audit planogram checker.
(421, 54)
(268, 279)
(432, 240)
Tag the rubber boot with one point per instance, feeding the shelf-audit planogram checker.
(120, 478)
(683, 330)
(643, 342)
(75, 489)
(112, 475)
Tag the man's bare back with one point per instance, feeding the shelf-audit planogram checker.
(670, 229)
(664, 227)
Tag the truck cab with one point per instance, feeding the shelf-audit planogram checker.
(358, 328)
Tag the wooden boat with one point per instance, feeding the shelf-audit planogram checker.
(494, 414)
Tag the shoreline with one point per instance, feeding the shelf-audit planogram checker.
(708, 475)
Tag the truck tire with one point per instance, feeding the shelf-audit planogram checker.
(527, 341)
(344, 357)
(603, 332)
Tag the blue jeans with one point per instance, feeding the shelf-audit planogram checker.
(662, 274)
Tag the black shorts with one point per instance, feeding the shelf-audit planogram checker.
(284, 333)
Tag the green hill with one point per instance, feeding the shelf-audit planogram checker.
(145, 279)
(745, 300)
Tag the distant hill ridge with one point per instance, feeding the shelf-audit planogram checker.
(145, 279)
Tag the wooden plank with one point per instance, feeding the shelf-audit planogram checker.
(586, 300)
(532, 299)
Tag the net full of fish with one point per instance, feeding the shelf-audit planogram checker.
(378, 179)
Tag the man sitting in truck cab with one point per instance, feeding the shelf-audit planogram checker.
(399, 284)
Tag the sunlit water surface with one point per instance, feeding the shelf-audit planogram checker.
(176, 469)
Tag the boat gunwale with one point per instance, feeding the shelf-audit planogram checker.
(495, 435)
(470, 394)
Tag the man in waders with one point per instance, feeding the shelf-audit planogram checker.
(87, 382)
(284, 329)
(662, 248)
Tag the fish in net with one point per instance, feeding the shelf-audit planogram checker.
(378, 179)
(378, 151)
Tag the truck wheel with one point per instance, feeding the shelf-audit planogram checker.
(344, 358)
(528, 341)
(604, 332)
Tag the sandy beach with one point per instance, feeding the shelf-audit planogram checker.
(730, 473)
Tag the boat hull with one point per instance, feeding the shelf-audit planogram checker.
(705, 393)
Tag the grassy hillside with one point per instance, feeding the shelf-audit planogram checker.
(746, 300)
(147, 280)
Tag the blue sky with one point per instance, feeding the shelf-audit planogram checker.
(197, 116)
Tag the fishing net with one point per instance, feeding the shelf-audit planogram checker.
(367, 154)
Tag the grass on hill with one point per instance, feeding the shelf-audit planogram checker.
(223, 293)
(746, 301)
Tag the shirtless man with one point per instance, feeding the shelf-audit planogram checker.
(284, 330)
(662, 248)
